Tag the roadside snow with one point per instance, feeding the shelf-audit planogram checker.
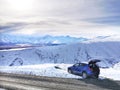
(41, 70)
(110, 73)
(113, 72)
(50, 71)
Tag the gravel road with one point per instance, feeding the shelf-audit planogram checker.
(30, 82)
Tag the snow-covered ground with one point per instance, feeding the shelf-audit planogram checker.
(41, 70)
(34, 60)
(50, 71)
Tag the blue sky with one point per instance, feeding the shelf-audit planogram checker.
(60, 17)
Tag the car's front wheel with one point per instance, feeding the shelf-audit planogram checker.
(84, 75)
(69, 70)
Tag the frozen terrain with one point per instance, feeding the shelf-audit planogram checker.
(42, 60)
(107, 52)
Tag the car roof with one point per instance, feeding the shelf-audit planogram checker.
(82, 63)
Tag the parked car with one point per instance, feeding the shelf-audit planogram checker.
(85, 70)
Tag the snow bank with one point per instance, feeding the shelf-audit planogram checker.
(41, 70)
(111, 73)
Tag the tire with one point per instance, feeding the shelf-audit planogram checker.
(97, 72)
(96, 76)
(69, 71)
(84, 75)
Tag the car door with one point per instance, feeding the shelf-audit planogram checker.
(76, 68)
(80, 68)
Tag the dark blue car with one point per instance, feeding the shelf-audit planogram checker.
(85, 70)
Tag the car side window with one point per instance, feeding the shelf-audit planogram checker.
(82, 64)
(77, 64)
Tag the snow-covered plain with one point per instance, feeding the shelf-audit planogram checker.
(42, 60)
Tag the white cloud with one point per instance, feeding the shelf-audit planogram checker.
(73, 28)
(61, 8)
(56, 17)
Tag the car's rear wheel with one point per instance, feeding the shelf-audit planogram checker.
(69, 70)
(84, 75)
(96, 75)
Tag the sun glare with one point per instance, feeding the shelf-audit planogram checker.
(21, 5)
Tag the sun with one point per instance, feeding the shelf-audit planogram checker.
(21, 5)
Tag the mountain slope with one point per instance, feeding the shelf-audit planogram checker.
(108, 52)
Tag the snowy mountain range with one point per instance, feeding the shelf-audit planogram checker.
(48, 39)
(107, 52)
